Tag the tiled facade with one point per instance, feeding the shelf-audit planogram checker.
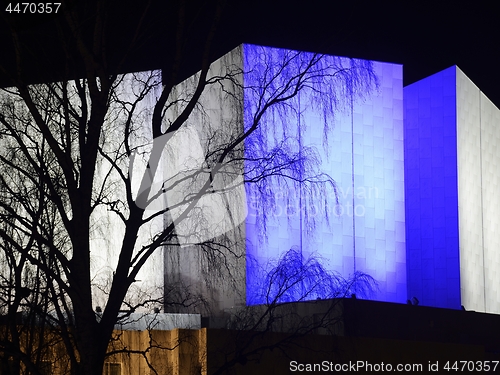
(431, 191)
(452, 159)
(416, 193)
(365, 157)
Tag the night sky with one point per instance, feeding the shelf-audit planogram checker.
(425, 37)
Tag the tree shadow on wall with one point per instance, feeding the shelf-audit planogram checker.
(294, 278)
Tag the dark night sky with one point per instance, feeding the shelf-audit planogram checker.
(424, 37)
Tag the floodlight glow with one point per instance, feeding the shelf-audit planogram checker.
(432, 190)
(360, 226)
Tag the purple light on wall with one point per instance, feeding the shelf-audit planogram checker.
(363, 154)
(431, 190)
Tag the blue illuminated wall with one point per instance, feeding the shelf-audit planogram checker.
(365, 157)
(431, 190)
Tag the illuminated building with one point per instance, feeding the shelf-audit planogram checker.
(416, 176)
(364, 156)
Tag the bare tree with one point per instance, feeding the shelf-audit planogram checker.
(91, 170)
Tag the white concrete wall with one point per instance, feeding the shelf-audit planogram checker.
(470, 195)
(218, 273)
(490, 141)
(478, 128)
